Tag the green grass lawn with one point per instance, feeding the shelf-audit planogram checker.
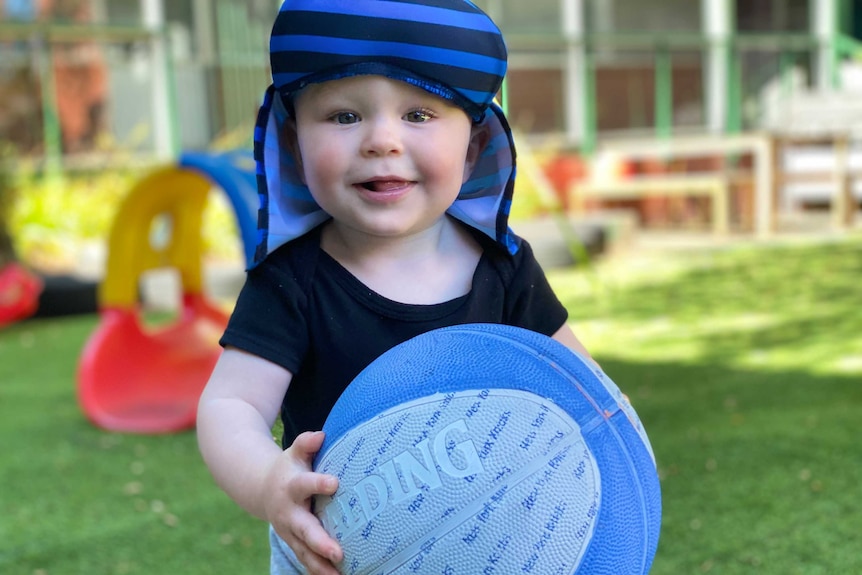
(745, 365)
(746, 368)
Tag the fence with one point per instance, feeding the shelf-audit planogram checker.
(73, 93)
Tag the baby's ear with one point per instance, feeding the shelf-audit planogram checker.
(290, 140)
(479, 137)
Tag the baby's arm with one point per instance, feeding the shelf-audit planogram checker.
(567, 337)
(234, 426)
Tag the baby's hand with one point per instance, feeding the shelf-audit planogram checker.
(289, 488)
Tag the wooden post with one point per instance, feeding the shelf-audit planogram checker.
(842, 201)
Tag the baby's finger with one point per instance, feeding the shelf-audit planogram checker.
(305, 485)
(315, 538)
(315, 563)
(308, 443)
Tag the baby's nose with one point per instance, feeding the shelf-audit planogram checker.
(382, 138)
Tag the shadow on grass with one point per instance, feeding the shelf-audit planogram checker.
(745, 368)
(760, 471)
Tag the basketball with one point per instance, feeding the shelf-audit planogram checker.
(488, 449)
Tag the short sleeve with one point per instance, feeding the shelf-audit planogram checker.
(268, 319)
(530, 301)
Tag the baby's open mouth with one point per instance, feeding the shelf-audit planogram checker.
(384, 185)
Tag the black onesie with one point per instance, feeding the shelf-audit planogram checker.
(302, 310)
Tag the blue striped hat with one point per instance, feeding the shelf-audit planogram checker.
(448, 47)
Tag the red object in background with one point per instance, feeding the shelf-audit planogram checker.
(566, 169)
(562, 171)
(137, 379)
(19, 293)
(654, 210)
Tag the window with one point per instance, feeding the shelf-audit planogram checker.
(536, 100)
(772, 15)
(535, 16)
(606, 16)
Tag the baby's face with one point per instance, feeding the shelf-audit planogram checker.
(381, 156)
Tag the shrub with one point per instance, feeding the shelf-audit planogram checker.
(54, 219)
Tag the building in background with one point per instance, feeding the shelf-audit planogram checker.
(153, 77)
(82, 78)
(599, 68)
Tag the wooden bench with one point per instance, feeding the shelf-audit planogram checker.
(714, 187)
(760, 178)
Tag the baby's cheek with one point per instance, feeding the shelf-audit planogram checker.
(324, 167)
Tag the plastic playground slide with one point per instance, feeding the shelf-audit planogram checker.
(143, 378)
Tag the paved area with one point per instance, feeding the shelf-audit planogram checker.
(611, 235)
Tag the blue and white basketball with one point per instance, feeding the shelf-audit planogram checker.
(488, 449)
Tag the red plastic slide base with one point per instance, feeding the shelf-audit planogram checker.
(19, 293)
(137, 380)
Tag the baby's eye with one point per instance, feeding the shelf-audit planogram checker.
(417, 116)
(345, 118)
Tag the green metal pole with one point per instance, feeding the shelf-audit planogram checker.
(785, 67)
(51, 130)
(663, 92)
(839, 14)
(733, 119)
(588, 81)
(734, 91)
